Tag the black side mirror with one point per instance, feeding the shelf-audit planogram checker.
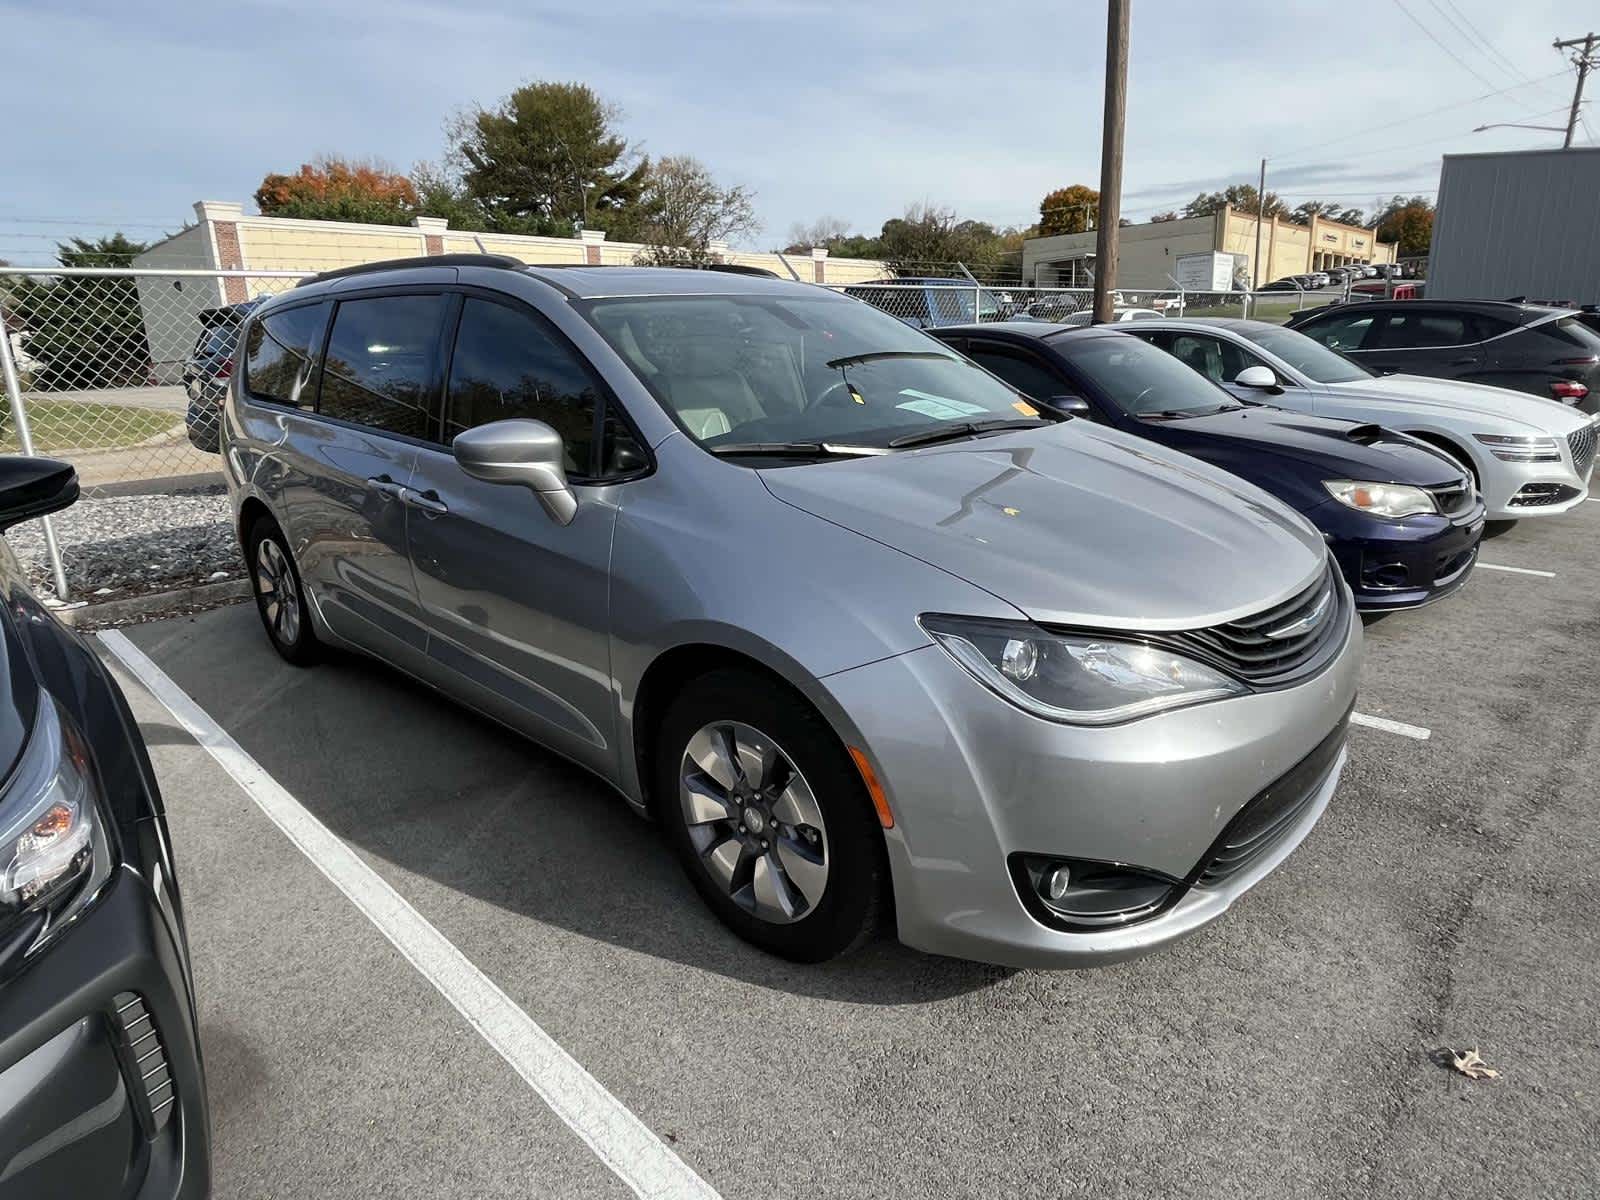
(34, 487)
(1073, 406)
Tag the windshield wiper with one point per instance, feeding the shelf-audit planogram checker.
(961, 429)
(795, 449)
(1170, 414)
(850, 360)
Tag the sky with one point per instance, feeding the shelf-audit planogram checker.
(122, 115)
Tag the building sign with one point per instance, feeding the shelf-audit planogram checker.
(1206, 271)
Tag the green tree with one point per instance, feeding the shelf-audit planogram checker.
(333, 189)
(684, 209)
(1169, 215)
(550, 155)
(1407, 221)
(85, 332)
(1240, 196)
(1068, 210)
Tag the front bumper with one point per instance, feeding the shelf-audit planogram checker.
(1394, 564)
(1507, 487)
(972, 781)
(78, 1117)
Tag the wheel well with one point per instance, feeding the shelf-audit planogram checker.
(667, 676)
(1454, 449)
(251, 511)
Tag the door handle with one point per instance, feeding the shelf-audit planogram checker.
(1463, 362)
(385, 487)
(427, 501)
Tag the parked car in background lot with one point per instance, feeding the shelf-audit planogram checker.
(1289, 284)
(1402, 520)
(1118, 315)
(926, 303)
(1529, 457)
(101, 1087)
(1543, 351)
(206, 371)
(844, 612)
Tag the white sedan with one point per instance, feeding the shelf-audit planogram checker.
(1529, 456)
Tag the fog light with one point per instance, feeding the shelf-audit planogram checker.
(1056, 882)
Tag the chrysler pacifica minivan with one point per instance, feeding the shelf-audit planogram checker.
(871, 636)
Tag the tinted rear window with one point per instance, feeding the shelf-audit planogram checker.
(382, 366)
(279, 353)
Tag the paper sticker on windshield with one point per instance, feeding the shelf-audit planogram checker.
(1026, 409)
(940, 408)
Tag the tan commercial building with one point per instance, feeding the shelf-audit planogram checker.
(1148, 254)
(226, 238)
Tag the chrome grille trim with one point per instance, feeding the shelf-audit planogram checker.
(1281, 644)
(1453, 499)
(1582, 444)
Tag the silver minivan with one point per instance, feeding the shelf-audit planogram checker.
(873, 639)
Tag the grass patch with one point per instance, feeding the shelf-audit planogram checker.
(69, 425)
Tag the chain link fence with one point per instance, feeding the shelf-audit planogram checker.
(121, 371)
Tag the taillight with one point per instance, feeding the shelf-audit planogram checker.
(223, 371)
(1569, 390)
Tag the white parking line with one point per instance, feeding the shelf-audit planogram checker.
(623, 1142)
(1483, 566)
(1388, 726)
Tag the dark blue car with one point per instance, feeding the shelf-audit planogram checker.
(1403, 520)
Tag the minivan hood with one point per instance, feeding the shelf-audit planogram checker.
(1076, 524)
(1450, 396)
(1259, 441)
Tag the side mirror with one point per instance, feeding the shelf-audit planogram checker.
(523, 452)
(1074, 406)
(1258, 377)
(34, 487)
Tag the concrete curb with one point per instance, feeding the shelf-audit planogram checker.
(112, 612)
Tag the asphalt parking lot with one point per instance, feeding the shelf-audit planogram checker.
(1447, 899)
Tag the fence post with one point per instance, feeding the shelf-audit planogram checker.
(8, 367)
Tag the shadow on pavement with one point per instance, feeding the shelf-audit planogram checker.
(402, 773)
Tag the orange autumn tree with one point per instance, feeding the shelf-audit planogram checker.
(332, 189)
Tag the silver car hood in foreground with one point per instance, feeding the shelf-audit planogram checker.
(1455, 398)
(1074, 525)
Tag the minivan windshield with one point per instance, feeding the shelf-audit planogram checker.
(765, 372)
(1307, 355)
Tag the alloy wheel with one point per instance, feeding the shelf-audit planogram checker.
(280, 602)
(754, 822)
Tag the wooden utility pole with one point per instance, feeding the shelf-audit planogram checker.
(1583, 61)
(1105, 242)
(1261, 216)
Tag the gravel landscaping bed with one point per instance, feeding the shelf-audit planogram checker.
(120, 546)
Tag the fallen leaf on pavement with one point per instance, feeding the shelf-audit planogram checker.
(1470, 1065)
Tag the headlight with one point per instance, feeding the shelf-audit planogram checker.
(1078, 679)
(1521, 449)
(53, 851)
(1381, 499)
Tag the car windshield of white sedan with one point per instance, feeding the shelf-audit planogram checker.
(1307, 355)
(758, 374)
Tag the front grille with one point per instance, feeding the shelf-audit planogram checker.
(144, 1062)
(1282, 644)
(1582, 443)
(1453, 499)
(1451, 565)
(1536, 495)
(1271, 813)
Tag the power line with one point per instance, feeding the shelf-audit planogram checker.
(1476, 35)
(1459, 61)
(1390, 124)
(1503, 64)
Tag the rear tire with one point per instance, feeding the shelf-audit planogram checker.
(280, 596)
(769, 817)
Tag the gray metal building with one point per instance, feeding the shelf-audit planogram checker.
(1524, 223)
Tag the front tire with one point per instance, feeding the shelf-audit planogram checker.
(280, 596)
(769, 817)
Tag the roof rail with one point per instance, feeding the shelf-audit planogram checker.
(729, 268)
(435, 260)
